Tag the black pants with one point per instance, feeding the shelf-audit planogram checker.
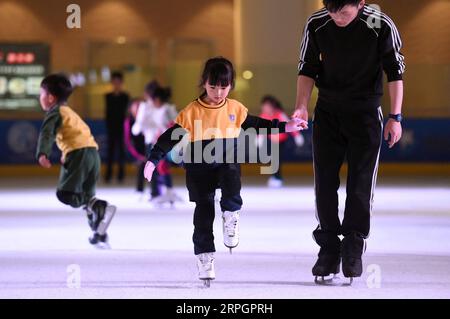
(356, 136)
(140, 179)
(157, 180)
(115, 146)
(202, 184)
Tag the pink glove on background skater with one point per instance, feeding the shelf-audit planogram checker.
(44, 162)
(148, 170)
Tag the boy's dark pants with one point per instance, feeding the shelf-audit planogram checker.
(78, 177)
(202, 183)
(336, 136)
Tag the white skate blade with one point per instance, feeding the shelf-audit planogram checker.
(167, 199)
(102, 246)
(162, 205)
(230, 246)
(104, 224)
(329, 280)
(332, 280)
(207, 283)
(162, 202)
(349, 283)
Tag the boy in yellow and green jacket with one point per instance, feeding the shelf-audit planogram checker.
(80, 159)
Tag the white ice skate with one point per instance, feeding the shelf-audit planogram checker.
(205, 266)
(230, 229)
(169, 197)
(110, 210)
(140, 196)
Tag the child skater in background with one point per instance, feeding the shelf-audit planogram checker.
(135, 144)
(80, 159)
(155, 115)
(144, 125)
(271, 108)
(164, 113)
(213, 111)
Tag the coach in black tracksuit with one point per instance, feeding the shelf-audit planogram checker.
(344, 50)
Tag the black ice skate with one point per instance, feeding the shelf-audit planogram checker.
(90, 217)
(99, 241)
(329, 259)
(101, 214)
(325, 266)
(352, 268)
(352, 250)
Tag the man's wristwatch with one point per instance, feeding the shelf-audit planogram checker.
(396, 117)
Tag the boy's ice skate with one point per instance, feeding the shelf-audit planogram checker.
(100, 215)
(99, 241)
(230, 229)
(205, 266)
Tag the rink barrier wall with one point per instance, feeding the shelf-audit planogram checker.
(289, 169)
(424, 149)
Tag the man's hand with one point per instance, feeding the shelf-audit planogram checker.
(148, 170)
(301, 113)
(44, 162)
(394, 130)
(296, 124)
(63, 160)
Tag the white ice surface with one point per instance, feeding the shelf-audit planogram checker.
(152, 255)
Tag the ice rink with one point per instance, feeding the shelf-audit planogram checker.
(44, 252)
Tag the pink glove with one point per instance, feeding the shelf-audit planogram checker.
(44, 162)
(148, 170)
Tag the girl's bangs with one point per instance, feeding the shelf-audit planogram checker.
(220, 76)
